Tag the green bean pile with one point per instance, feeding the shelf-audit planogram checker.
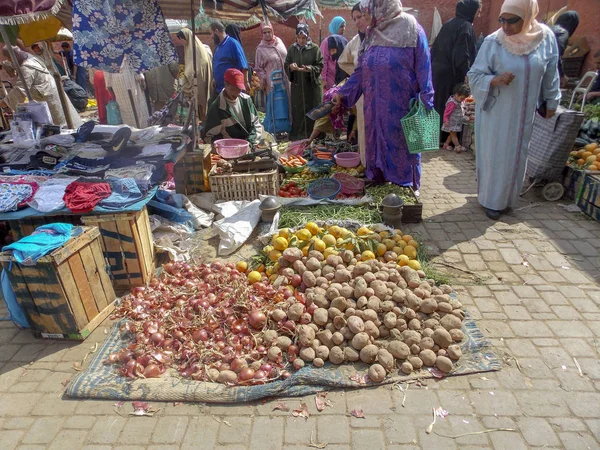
(292, 217)
(378, 193)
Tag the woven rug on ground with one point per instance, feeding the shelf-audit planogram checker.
(100, 381)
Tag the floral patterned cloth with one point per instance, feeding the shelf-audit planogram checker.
(104, 31)
(13, 195)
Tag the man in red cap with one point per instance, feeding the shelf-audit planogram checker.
(232, 114)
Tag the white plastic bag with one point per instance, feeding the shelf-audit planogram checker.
(236, 228)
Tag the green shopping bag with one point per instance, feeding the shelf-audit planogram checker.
(421, 128)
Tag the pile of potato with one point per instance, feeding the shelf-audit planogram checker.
(384, 315)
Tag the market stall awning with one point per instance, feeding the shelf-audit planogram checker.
(35, 23)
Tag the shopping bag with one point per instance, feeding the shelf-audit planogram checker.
(113, 113)
(421, 128)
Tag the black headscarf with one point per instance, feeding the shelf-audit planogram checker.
(466, 9)
(569, 20)
(302, 28)
(234, 31)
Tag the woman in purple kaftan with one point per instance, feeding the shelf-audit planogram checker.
(394, 68)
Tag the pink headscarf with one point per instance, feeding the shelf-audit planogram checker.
(268, 26)
(532, 34)
(390, 26)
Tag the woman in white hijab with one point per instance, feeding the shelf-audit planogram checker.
(203, 70)
(514, 75)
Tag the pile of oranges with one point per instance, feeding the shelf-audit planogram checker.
(585, 158)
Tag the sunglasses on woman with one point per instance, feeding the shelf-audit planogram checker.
(512, 21)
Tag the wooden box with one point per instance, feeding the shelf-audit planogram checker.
(67, 293)
(25, 227)
(244, 186)
(573, 182)
(589, 200)
(128, 246)
(191, 172)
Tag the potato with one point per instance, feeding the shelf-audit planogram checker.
(454, 352)
(390, 320)
(399, 296)
(370, 292)
(401, 325)
(334, 312)
(316, 255)
(444, 307)
(426, 343)
(379, 288)
(360, 340)
(227, 377)
(412, 301)
(427, 332)
(322, 352)
(347, 256)
(442, 352)
(369, 314)
(428, 357)
(416, 362)
(313, 264)
(386, 359)
(368, 354)
(321, 316)
(339, 322)
(336, 355)
(325, 337)
(428, 306)
(321, 281)
(384, 332)
(360, 287)
(307, 354)
(369, 277)
(337, 338)
(398, 349)
(377, 373)
(350, 312)
(320, 300)
(371, 329)
(283, 263)
(270, 336)
(356, 324)
(274, 354)
(410, 276)
(360, 269)
(395, 335)
(410, 314)
(388, 306)
(306, 335)
(419, 293)
(295, 311)
(426, 287)
(444, 364)
(414, 324)
(347, 291)
(339, 303)
(446, 289)
(361, 303)
(411, 337)
(309, 279)
(298, 363)
(283, 342)
(342, 276)
(406, 368)
(351, 354)
(436, 291)
(457, 335)
(442, 337)
(459, 313)
(299, 267)
(382, 276)
(348, 335)
(451, 322)
(431, 324)
(332, 293)
(318, 362)
(455, 303)
(374, 303)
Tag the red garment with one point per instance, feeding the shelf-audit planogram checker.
(81, 196)
(103, 96)
(450, 107)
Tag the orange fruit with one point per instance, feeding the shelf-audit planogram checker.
(403, 260)
(580, 162)
(410, 251)
(241, 266)
(586, 155)
(367, 255)
(593, 167)
(407, 238)
(414, 264)
(413, 243)
(260, 268)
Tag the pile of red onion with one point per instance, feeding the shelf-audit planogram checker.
(204, 321)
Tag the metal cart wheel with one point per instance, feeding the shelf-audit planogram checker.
(553, 191)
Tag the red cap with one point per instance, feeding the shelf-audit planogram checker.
(235, 78)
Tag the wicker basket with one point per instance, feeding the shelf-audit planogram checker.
(244, 186)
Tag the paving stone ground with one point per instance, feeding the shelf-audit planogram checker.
(531, 281)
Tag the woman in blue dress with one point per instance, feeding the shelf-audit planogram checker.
(515, 74)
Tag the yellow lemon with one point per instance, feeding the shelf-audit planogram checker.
(254, 277)
(413, 243)
(330, 240)
(335, 230)
(398, 232)
(303, 234)
(241, 266)
(401, 244)
(414, 264)
(350, 246)
(407, 238)
(384, 234)
(305, 250)
(276, 267)
(319, 245)
(274, 255)
(367, 255)
(376, 237)
(273, 278)
(381, 249)
(398, 250)
(270, 271)
(284, 233)
(410, 251)
(344, 233)
(403, 260)
(313, 228)
(398, 238)
(389, 243)
(280, 244)
(330, 251)
(363, 231)
(268, 248)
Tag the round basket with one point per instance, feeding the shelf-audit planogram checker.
(347, 159)
(350, 185)
(324, 188)
(293, 169)
(231, 148)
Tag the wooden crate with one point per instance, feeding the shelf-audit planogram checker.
(573, 182)
(25, 227)
(128, 246)
(68, 293)
(244, 186)
(589, 201)
(191, 172)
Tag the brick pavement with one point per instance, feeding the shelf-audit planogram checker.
(530, 281)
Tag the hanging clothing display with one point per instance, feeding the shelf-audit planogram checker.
(105, 31)
(123, 84)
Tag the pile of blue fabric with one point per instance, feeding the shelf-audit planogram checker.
(44, 240)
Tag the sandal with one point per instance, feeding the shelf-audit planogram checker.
(447, 147)
(460, 149)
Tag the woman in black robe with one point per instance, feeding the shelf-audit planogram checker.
(563, 29)
(453, 52)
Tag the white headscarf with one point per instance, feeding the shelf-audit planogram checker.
(532, 34)
(390, 26)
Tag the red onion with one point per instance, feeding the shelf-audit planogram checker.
(257, 320)
(238, 364)
(246, 374)
(157, 338)
(260, 375)
(266, 368)
(200, 335)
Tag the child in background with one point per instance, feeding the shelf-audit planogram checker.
(454, 117)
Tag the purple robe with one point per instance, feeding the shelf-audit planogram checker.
(389, 77)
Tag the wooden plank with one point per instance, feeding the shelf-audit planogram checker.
(72, 246)
(21, 291)
(130, 252)
(72, 295)
(114, 253)
(145, 244)
(101, 263)
(98, 319)
(91, 270)
(83, 286)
